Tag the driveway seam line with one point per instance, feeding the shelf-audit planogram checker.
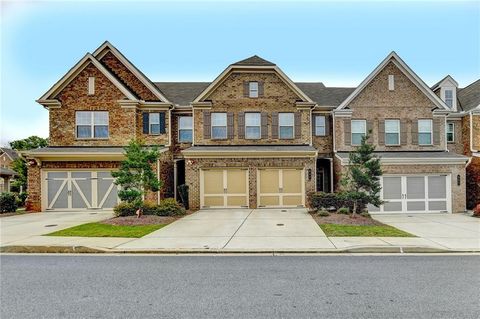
(238, 229)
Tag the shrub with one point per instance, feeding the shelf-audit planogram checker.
(323, 213)
(21, 198)
(343, 210)
(125, 209)
(169, 207)
(8, 203)
(320, 200)
(476, 211)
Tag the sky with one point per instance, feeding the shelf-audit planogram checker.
(338, 43)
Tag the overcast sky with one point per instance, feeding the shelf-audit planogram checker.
(337, 43)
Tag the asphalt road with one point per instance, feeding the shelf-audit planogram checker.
(239, 286)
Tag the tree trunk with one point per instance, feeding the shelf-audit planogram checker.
(354, 209)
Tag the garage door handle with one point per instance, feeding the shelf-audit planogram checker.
(280, 190)
(224, 190)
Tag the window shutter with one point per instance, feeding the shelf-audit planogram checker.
(327, 125)
(436, 131)
(275, 125)
(370, 131)
(145, 123)
(207, 118)
(381, 132)
(246, 89)
(298, 125)
(415, 132)
(264, 127)
(162, 123)
(230, 132)
(314, 122)
(403, 132)
(347, 130)
(260, 89)
(241, 125)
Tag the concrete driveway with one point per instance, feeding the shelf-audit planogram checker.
(238, 229)
(452, 231)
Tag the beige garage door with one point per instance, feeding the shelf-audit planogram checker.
(280, 187)
(222, 188)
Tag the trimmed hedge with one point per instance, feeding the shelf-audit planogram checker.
(8, 203)
(167, 207)
(333, 201)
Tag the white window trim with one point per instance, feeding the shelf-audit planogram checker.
(292, 126)
(324, 125)
(253, 93)
(352, 132)
(391, 82)
(212, 126)
(431, 132)
(398, 132)
(454, 96)
(150, 123)
(91, 85)
(92, 126)
(259, 126)
(184, 129)
(453, 132)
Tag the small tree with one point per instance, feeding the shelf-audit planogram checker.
(361, 183)
(136, 175)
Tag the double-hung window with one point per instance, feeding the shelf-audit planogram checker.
(392, 132)
(219, 125)
(91, 124)
(154, 123)
(449, 98)
(286, 123)
(253, 89)
(359, 130)
(320, 125)
(252, 125)
(185, 129)
(425, 132)
(450, 132)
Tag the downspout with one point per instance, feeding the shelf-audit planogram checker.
(193, 126)
(333, 131)
(169, 128)
(471, 133)
(445, 134)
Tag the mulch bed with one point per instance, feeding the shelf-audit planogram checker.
(144, 220)
(342, 219)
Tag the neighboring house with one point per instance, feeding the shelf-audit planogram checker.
(7, 156)
(251, 138)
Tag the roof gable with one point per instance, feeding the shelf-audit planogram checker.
(254, 61)
(446, 81)
(403, 67)
(12, 154)
(108, 47)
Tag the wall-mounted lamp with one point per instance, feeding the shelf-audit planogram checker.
(458, 180)
(309, 174)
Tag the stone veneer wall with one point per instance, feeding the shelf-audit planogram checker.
(193, 166)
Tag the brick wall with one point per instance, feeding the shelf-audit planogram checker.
(149, 139)
(457, 145)
(324, 144)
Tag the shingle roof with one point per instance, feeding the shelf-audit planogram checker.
(325, 96)
(7, 172)
(251, 148)
(469, 97)
(11, 153)
(182, 93)
(431, 154)
(254, 61)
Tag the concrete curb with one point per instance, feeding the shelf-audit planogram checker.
(97, 250)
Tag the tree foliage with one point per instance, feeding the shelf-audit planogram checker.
(361, 183)
(136, 175)
(29, 143)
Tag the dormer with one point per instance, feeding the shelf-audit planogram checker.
(446, 89)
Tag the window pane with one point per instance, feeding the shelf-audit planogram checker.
(100, 118)
(424, 138)
(449, 102)
(154, 128)
(252, 132)
(357, 138)
(320, 130)
(219, 119)
(252, 119)
(320, 121)
(391, 139)
(450, 127)
(101, 131)
(84, 131)
(392, 126)
(449, 137)
(286, 132)
(285, 119)
(185, 136)
(253, 89)
(185, 122)
(359, 126)
(154, 118)
(84, 118)
(219, 132)
(425, 126)
(448, 94)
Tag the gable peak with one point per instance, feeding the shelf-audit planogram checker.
(254, 60)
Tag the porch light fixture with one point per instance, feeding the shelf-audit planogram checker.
(458, 180)
(309, 174)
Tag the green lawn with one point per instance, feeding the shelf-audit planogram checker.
(106, 230)
(335, 230)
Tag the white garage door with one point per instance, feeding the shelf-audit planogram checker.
(280, 187)
(78, 190)
(415, 194)
(222, 188)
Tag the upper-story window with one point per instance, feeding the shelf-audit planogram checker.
(392, 132)
(320, 125)
(252, 125)
(449, 98)
(286, 123)
(154, 122)
(219, 125)
(253, 89)
(185, 129)
(359, 130)
(425, 132)
(450, 132)
(91, 124)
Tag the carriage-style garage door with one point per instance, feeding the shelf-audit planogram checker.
(415, 194)
(78, 190)
(280, 187)
(222, 188)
